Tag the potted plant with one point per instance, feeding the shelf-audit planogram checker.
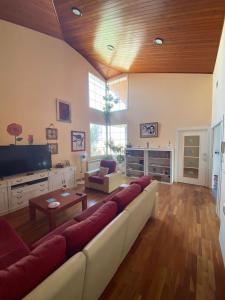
(118, 152)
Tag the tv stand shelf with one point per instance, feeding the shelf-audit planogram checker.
(24, 184)
(15, 191)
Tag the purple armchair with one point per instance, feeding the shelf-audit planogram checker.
(106, 183)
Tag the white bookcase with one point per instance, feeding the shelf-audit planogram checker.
(156, 162)
(15, 191)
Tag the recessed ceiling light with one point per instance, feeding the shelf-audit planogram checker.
(76, 11)
(110, 47)
(158, 41)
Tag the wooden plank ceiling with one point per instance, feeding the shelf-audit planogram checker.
(190, 29)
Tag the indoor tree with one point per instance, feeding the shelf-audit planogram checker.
(109, 102)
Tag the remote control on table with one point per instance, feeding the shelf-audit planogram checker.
(79, 194)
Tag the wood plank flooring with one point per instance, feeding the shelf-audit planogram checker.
(176, 256)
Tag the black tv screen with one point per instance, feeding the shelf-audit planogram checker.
(24, 159)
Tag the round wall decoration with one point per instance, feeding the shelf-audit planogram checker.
(14, 129)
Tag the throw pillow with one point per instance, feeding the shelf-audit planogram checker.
(103, 171)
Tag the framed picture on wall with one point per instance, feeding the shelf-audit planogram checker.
(51, 133)
(77, 141)
(53, 148)
(148, 130)
(63, 111)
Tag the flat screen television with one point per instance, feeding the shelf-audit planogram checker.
(24, 159)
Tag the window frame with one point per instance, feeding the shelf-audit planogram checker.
(127, 92)
(100, 155)
(89, 102)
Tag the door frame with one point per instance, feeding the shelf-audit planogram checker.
(209, 152)
(218, 200)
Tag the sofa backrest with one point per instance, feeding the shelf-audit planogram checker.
(79, 235)
(23, 276)
(12, 248)
(143, 181)
(127, 195)
(111, 164)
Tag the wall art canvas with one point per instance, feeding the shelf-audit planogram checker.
(148, 130)
(77, 141)
(63, 111)
(53, 148)
(51, 133)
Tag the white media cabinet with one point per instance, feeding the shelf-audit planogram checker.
(15, 191)
(156, 162)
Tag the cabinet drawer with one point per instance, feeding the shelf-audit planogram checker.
(17, 181)
(40, 186)
(3, 184)
(3, 201)
(17, 192)
(29, 188)
(18, 201)
(24, 179)
(41, 191)
(42, 174)
(56, 172)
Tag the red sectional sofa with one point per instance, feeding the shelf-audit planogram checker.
(72, 261)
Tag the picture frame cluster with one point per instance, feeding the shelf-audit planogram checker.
(63, 114)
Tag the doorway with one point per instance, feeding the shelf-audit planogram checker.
(217, 132)
(193, 156)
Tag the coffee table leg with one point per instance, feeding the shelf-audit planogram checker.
(52, 222)
(32, 211)
(84, 203)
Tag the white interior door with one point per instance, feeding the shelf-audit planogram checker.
(193, 157)
(217, 164)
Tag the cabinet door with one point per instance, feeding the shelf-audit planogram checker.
(3, 201)
(56, 180)
(69, 177)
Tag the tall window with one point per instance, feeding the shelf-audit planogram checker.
(97, 89)
(118, 88)
(98, 139)
(118, 134)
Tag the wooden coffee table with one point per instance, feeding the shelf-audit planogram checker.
(41, 203)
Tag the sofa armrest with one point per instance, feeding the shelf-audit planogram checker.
(66, 282)
(112, 175)
(91, 173)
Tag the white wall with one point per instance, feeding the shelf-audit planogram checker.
(218, 104)
(35, 69)
(173, 100)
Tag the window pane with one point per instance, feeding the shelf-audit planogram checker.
(98, 139)
(96, 92)
(118, 135)
(118, 89)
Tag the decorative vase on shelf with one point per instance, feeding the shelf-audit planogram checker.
(30, 139)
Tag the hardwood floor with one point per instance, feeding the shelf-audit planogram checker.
(176, 256)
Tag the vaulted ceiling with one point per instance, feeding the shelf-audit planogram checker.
(190, 30)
